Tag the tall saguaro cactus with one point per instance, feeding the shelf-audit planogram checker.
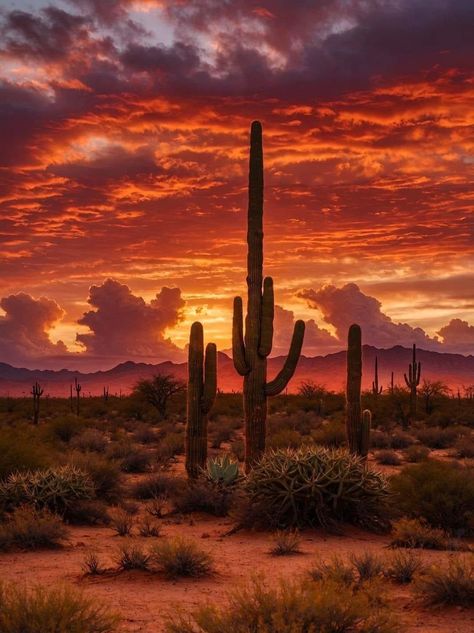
(250, 352)
(202, 387)
(412, 382)
(354, 379)
(376, 390)
(78, 388)
(36, 392)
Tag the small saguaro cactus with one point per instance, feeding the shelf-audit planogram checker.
(392, 386)
(106, 394)
(412, 382)
(78, 389)
(376, 390)
(365, 433)
(354, 379)
(250, 353)
(202, 387)
(36, 392)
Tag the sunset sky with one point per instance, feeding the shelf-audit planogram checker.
(123, 173)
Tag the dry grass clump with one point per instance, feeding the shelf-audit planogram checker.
(415, 533)
(122, 522)
(387, 458)
(181, 557)
(367, 565)
(149, 528)
(132, 557)
(286, 542)
(401, 566)
(92, 566)
(52, 610)
(29, 528)
(335, 569)
(448, 585)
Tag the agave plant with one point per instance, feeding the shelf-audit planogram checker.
(54, 488)
(313, 486)
(222, 470)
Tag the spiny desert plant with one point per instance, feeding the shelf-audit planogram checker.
(451, 584)
(181, 557)
(29, 528)
(250, 354)
(201, 393)
(54, 488)
(314, 486)
(222, 470)
(286, 542)
(52, 610)
(401, 566)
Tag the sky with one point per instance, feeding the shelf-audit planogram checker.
(123, 173)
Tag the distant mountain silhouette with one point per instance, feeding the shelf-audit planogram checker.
(453, 369)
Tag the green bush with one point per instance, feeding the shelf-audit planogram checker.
(65, 428)
(415, 533)
(324, 606)
(21, 450)
(181, 557)
(52, 610)
(56, 489)
(314, 486)
(27, 528)
(442, 493)
(104, 474)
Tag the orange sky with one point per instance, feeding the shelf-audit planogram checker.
(125, 140)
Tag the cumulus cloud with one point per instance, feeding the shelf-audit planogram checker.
(124, 326)
(24, 329)
(458, 336)
(316, 340)
(341, 307)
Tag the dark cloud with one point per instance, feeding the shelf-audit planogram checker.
(124, 326)
(458, 336)
(24, 328)
(317, 340)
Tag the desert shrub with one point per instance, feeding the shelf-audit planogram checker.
(65, 428)
(437, 438)
(285, 438)
(464, 448)
(92, 566)
(332, 434)
(203, 496)
(90, 440)
(105, 475)
(415, 453)
(29, 528)
(122, 522)
(449, 585)
(52, 610)
(173, 443)
(181, 557)
(156, 507)
(132, 557)
(387, 458)
(54, 488)
(144, 434)
(220, 435)
(285, 542)
(120, 449)
(442, 493)
(335, 569)
(292, 607)
(222, 471)
(379, 439)
(137, 461)
(401, 566)
(155, 486)
(20, 452)
(313, 486)
(149, 528)
(88, 512)
(399, 440)
(367, 565)
(416, 533)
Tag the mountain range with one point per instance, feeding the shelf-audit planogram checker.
(455, 370)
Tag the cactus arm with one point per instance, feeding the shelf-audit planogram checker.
(210, 378)
(418, 374)
(238, 346)
(407, 381)
(266, 325)
(276, 386)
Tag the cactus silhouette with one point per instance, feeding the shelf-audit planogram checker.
(412, 382)
(392, 386)
(376, 390)
(36, 392)
(106, 394)
(365, 433)
(78, 389)
(250, 352)
(354, 379)
(202, 387)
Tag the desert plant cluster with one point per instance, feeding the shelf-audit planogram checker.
(364, 501)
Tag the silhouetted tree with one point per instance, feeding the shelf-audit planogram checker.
(430, 390)
(158, 390)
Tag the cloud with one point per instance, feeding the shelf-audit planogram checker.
(458, 336)
(124, 326)
(24, 330)
(341, 307)
(317, 341)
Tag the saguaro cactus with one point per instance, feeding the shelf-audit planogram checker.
(392, 386)
(250, 353)
(412, 382)
(36, 392)
(202, 387)
(78, 389)
(354, 379)
(106, 394)
(376, 390)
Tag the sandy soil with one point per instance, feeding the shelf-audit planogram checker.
(143, 599)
